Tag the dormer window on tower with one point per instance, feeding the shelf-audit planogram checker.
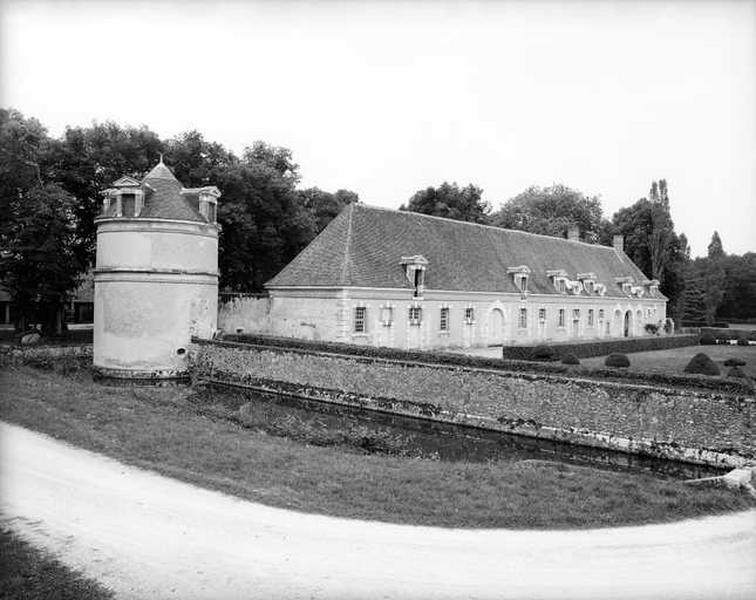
(208, 203)
(414, 270)
(559, 279)
(651, 286)
(124, 199)
(520, 276)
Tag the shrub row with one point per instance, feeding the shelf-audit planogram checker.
(730, 334)
(602, 347)
(477, 362)
(721, 324)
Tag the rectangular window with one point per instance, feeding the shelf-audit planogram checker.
(128, 205)
(590, 317)
(523, 322)
(469, 314)
(415, 315)
(387, 316)
(211, 216)
(360, 319)
(561, 318)
(575, 314)
(601, 314)
(542, 315)
(444, 321)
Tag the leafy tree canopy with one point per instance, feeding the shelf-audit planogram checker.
(450, 201)
(552, 211)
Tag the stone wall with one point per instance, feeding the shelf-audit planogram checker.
(695, 426)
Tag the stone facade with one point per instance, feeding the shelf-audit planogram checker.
(695, 426)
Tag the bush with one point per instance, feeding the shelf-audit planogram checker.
(707, 339)
(742, 341)
(736, 371)
(734, 362)
(617, 360)
(652, 328)
(544, 353)
(701, 364)
(591, 348)
(570, 359)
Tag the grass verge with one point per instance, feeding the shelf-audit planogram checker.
(155, 428)
(28, 573)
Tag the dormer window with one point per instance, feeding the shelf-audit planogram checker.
(414, 270)
(588, 280)
(559, 279)
(124, 199)
(625, 283)
(652, 286)
(600, 289)
(520, 276)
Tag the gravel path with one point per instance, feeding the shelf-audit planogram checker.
(148, 536)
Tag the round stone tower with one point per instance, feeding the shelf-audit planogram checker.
(156, 275)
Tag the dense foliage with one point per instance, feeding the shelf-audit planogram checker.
(450, 201)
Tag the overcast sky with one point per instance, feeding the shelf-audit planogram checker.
(385, 99)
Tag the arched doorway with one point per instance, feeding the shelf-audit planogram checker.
(617, 324)
(628, 328)
(496, 326)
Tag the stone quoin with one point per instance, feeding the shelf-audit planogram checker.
(156, 275)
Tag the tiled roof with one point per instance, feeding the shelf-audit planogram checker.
(163, 199)
(364, 246)
(164, 196)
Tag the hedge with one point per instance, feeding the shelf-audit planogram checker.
(730, 334)
(604, 347)
(719, 324)
(477, 362)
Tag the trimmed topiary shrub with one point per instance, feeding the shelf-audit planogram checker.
(707, 339)
(734, 362)
(701, 364)
(570, 359)
(544, 353)
(742, 341)
(617, 360)
(736, 371)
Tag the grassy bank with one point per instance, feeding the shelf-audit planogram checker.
(28, 573)
(159, 429)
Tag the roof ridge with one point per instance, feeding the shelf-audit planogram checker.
(347, 247)
(483, 225)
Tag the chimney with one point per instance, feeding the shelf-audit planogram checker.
(619, 243)
(573, 233)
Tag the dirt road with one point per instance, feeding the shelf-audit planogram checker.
(147, 536)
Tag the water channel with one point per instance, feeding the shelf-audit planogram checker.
(320, 421)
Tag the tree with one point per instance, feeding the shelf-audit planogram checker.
(264, 225)
(39, 260)
(715, 249)
(552, 211)
(653, 245)
(450, 201)
(324, 206)
(86, 160)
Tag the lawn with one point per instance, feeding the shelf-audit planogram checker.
(28, 573)
(673, 361)
(160, 429)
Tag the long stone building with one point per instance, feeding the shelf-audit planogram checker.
(407, 280)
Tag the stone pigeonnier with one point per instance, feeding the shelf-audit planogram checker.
(156, 275)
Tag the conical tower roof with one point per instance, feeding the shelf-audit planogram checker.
(160, 171)
(163, 198)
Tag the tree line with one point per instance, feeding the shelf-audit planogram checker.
(50, 194)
